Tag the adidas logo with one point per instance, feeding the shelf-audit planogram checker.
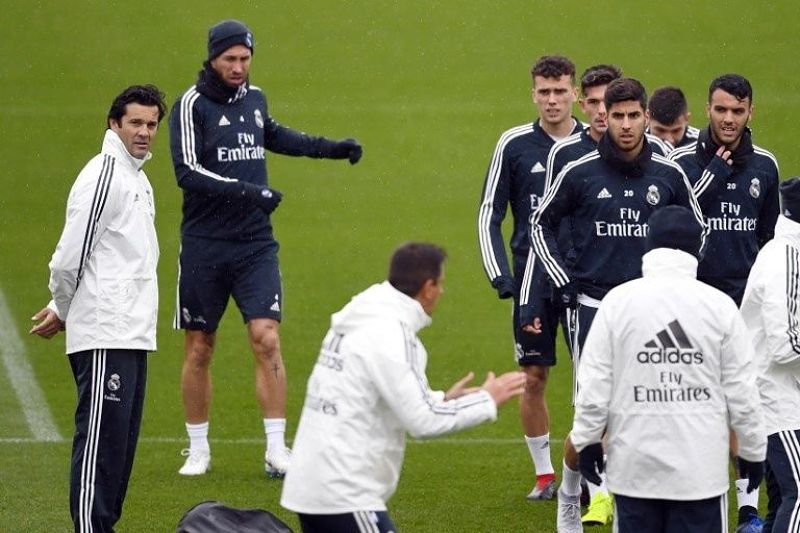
(224, 121)
(671, 345)
(537, 168)
(604, 193)
(275, 307)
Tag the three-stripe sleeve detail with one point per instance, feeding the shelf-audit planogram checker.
(187, 136)
(792, 285)
(98, 204)
(486, 210)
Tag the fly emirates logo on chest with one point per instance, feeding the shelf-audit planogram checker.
(247, 150)
(629, 225)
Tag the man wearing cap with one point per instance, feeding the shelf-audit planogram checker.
(770, 310)
(667, 367)
(220, 130)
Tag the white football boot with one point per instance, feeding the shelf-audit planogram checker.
(276, 462)
(197, 462)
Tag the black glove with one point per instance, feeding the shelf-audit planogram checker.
(504, 286)
(532, 310)
(265, 198)
(347, 149)
(591, 464)
(566, 296)
(754, 472)
(720, 168)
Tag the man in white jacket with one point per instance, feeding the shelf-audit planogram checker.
(367, 390)
(667, 369)
(105, 294)
(770, 308)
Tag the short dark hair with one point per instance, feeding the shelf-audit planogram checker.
(599, 75)
(733, 84)
(553, 67)
(147, 95)
(667, 104)
(623, 90)
(414, 263)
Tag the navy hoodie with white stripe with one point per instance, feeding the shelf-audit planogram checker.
(219, 137)
(516, 177)
(740, 202)
(610, 201)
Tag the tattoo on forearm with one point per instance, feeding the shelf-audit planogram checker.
(275, 369)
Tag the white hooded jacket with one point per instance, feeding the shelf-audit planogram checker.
(771, 310)
(368, 388)
(103, 272)
(667, 368)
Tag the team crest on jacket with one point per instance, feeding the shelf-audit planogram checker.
(113, 383)
(653, 196)
(259, 118)
(755, 187)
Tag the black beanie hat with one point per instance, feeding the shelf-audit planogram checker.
(228, 33)
(674, 226)
(790, 199)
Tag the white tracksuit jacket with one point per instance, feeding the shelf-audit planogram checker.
(771, 310)
(667, 368)
(367, 390)
(103, 273)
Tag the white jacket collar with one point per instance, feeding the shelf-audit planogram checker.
(669, 262)
(788, 229)
(380, 301)
(113, 146)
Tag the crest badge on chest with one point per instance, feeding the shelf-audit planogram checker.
(259, 118)
(755, 187)
(653, 196)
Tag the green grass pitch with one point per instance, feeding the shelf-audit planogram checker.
(427, 87)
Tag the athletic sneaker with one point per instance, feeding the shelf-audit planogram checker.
(545, 488)
(197, 462)
(601, 510)
(276, 462)
(569, 514)
(752, 525)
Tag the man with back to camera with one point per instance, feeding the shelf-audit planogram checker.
(736, 183)
(609, 194)
(667, 369)
(220, 130)
(104, 289)
(516, 177)
(593, 84)
(368, 388)
(668, 117)
(770, 310)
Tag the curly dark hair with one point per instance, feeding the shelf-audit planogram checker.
(553, 67)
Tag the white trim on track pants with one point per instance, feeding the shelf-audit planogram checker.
(783, 480)
(111, 388)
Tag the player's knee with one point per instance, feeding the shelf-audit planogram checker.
(199, 350)
(535, 381)
(266, 342)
